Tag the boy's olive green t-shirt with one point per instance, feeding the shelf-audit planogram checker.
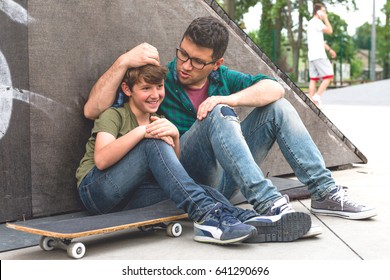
(116, 121)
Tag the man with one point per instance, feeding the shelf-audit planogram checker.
(218, 150)
(319, 64)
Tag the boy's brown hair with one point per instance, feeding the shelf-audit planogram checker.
(151, 74)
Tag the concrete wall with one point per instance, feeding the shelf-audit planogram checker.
(52, 52)
(15, 150)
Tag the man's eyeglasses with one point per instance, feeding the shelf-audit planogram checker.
(195, 62)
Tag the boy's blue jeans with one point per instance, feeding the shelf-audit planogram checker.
(148, 174)
(221, 152)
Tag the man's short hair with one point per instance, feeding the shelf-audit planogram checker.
(317, 7)
(208, 32)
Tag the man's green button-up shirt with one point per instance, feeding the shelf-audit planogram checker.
(177, 106)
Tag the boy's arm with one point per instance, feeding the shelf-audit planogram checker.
(103, 93)
(109, 150)
(163, 129)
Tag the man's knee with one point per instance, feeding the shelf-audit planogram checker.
(280, 109)
(281, 105)
(228, 111)
(225, 111)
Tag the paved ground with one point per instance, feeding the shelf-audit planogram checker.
(361, 113)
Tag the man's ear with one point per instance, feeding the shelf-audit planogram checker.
(218, 63)
(125, 88)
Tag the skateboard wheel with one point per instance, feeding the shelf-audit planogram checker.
(76, 250)
(174, 229)
(46, 243)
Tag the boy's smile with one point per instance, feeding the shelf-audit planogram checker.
(145, 98)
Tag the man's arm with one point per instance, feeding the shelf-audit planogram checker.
(260, 94)
(330, 50)
(328, 29)
(103, 93)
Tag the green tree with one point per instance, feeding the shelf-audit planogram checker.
(269, 37)
(277, 15)
(356, 68)
(266, 39)
(295, 31)
(362, 40)
(383, 45)
(362, 36)
(237, 8)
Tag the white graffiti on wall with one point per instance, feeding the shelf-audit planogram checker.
(8, 92)
(15, 11)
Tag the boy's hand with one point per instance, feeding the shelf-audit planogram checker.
(162, 128)
(167, 139)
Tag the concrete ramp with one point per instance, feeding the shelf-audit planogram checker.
(52, 52)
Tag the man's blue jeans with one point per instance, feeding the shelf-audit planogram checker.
(148, 174)
(221, 152)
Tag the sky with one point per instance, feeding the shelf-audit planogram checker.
(354, 19)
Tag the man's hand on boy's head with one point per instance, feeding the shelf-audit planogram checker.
(141, 55)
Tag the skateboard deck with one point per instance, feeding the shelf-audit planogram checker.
(59, 233)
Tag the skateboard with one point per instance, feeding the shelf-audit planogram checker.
(60, 233)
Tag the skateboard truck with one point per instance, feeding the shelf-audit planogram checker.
(75, 250)
(172, 229)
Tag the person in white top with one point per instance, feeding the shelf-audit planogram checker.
(320, 67)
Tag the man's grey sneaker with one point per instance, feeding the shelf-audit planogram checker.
(280, 206)
(279, 224)
(220, 227)
(339, 204)
(283, 206)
